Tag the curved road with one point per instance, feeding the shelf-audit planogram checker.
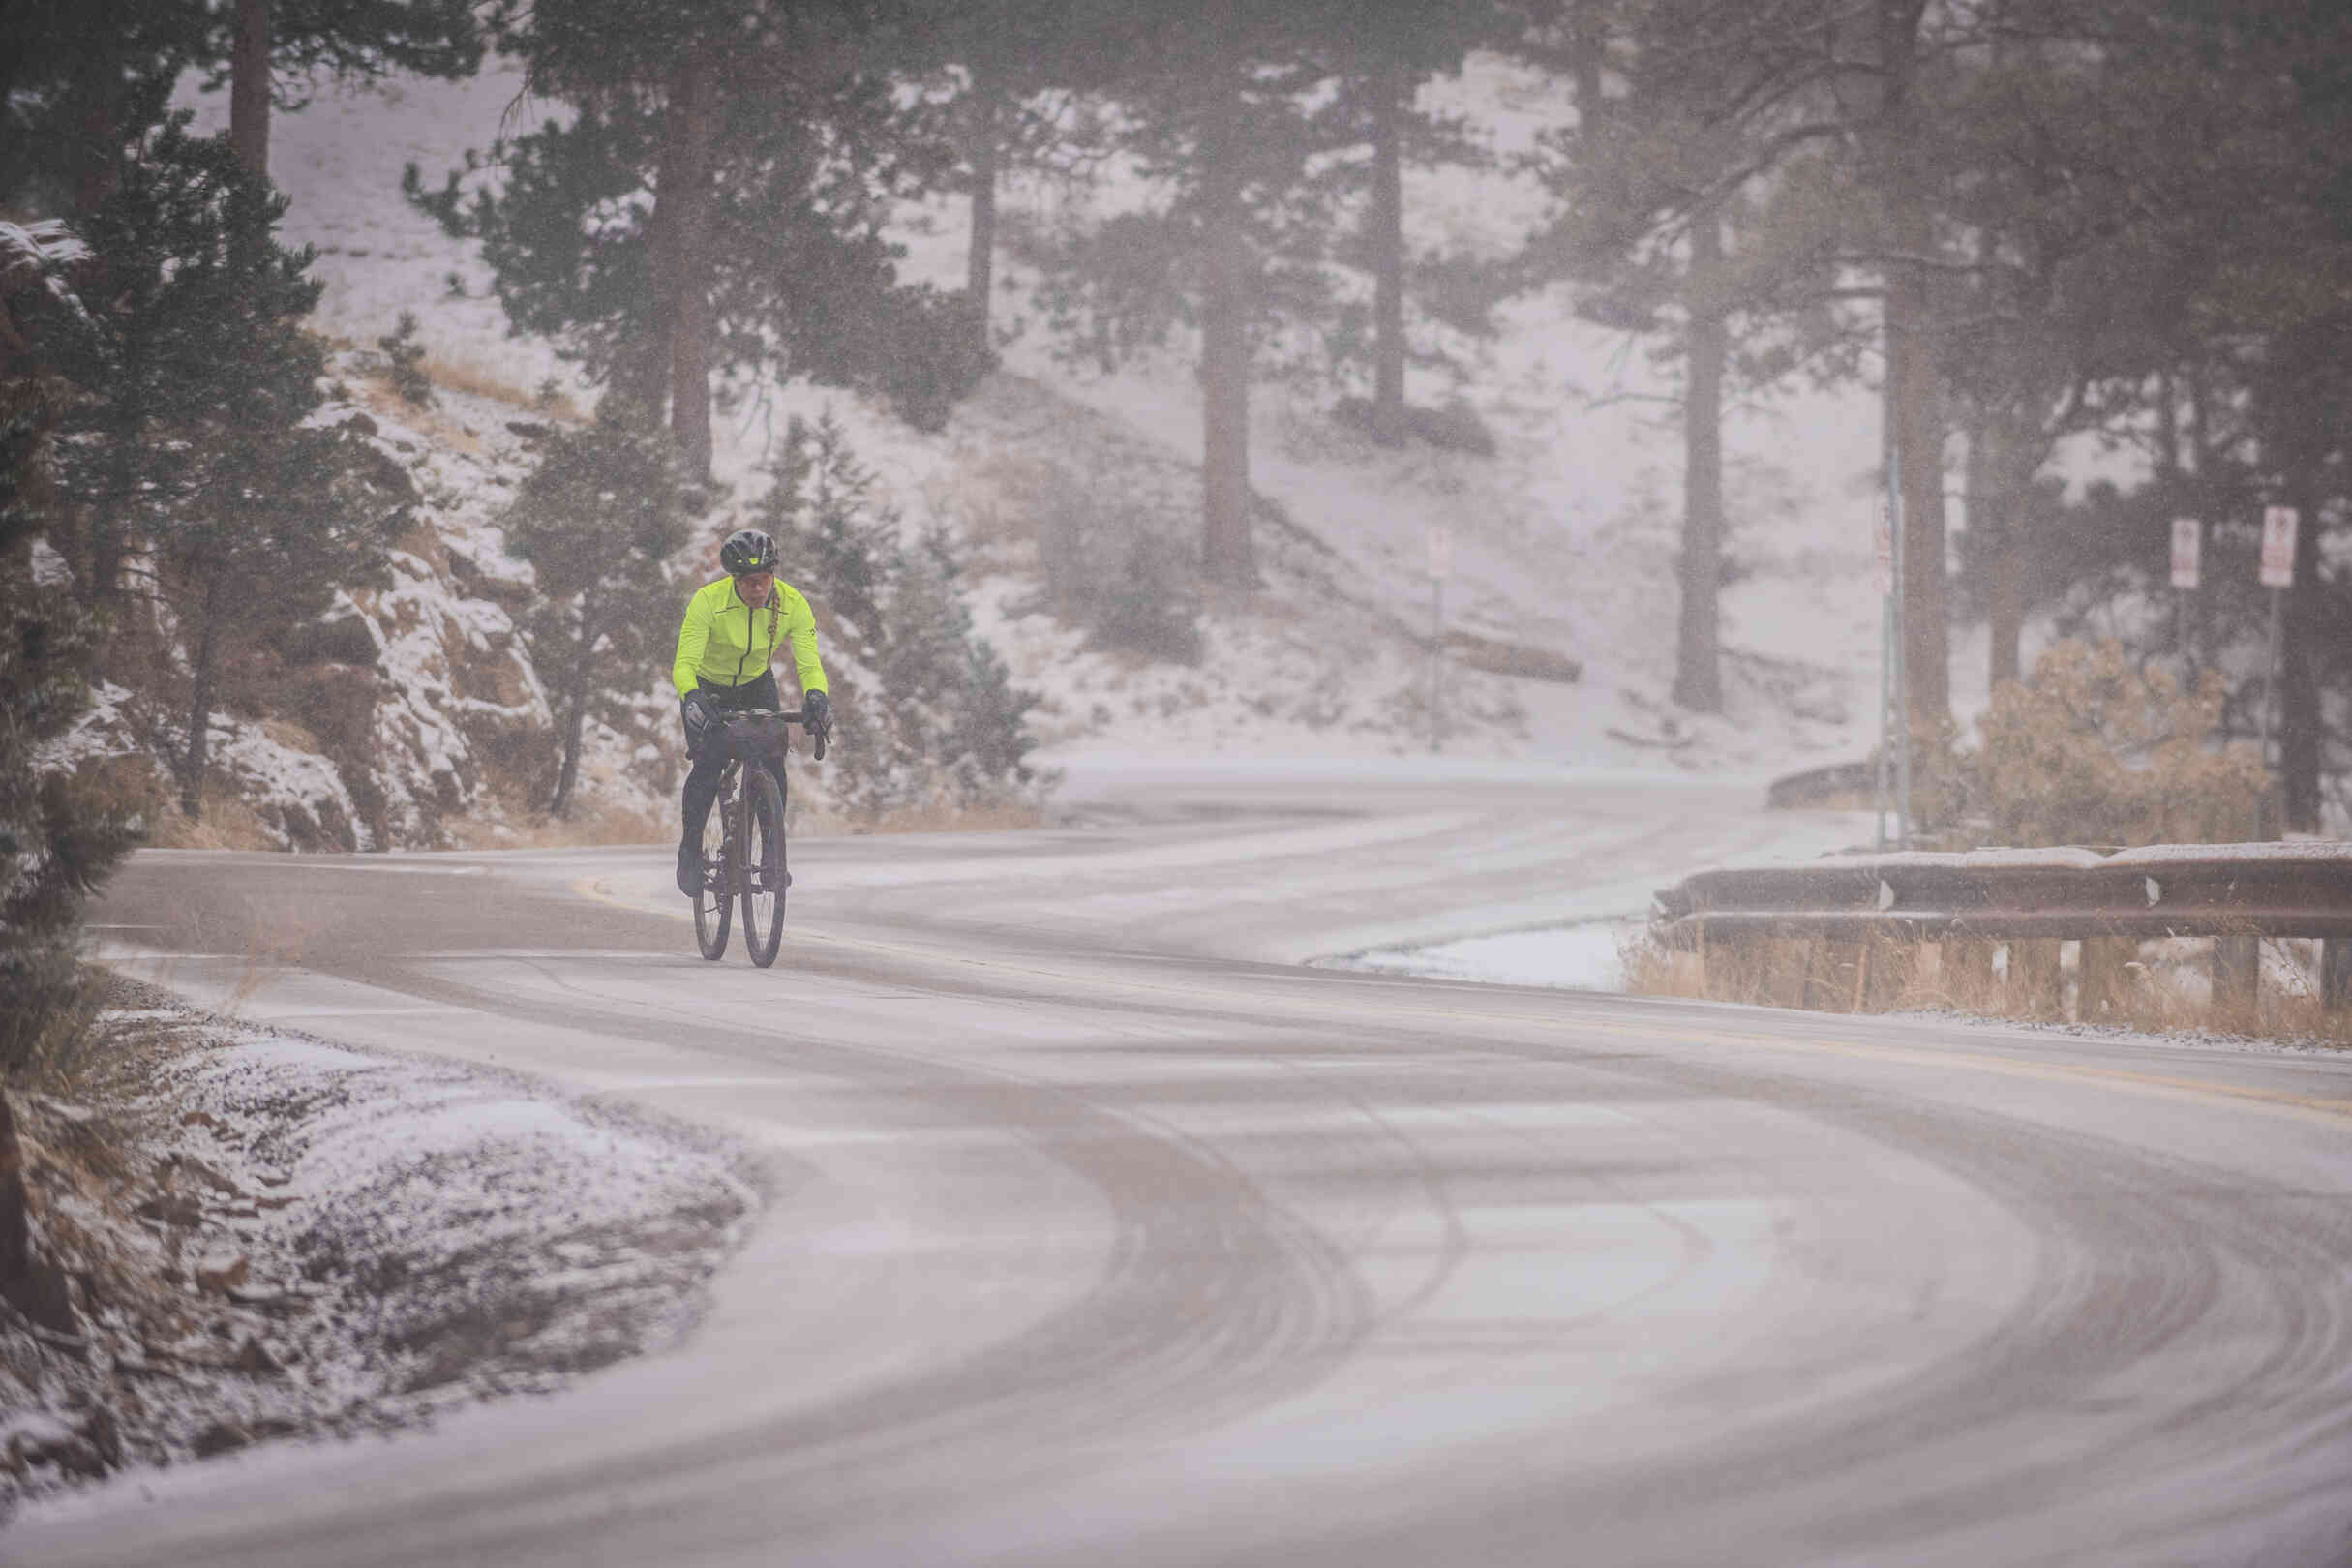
(1102, 1232)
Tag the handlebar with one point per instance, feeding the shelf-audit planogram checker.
(728, 716)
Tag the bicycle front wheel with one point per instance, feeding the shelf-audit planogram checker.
(715, 900)
(760, 859)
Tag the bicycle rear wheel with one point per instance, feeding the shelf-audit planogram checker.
(715, 903)
(760, 859)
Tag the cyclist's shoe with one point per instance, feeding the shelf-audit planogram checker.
(690, 869)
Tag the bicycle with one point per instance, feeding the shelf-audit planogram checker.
(744, 836)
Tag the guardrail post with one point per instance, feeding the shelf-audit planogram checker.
(1968, 970)
(1836, 983)
(2237, 974)
(1788, 969)
(1888, 962)
(2100, 982)
(2037, 982)
(2336, 974)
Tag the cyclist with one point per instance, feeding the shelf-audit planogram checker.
(724, 645)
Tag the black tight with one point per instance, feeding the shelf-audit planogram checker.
(702, 777)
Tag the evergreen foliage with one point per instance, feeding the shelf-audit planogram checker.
(926, 716)
(718, 201)
(596, 519)
(57, 843)
(188, 423)
(80, 83)
(406, 355)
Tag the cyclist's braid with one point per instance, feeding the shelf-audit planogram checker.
(773, 598)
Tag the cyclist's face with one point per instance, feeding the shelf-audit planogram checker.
(755, 586)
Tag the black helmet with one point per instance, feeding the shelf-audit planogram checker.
(747, 550)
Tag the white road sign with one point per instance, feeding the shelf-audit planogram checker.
(2278, 546)
(2187, 549)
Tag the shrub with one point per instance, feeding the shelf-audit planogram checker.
(2096, 750)
(929, 357)
(407, 354)
(927, 714)
(1454, 428)
(1106, 569)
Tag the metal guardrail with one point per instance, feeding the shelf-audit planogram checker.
(2292, 890)
(2236, 893)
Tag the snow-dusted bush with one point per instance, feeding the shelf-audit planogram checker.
(925, 712)
(2093, 749)
(405, 352)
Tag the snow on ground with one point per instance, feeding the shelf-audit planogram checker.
(282, 1237)
(1586, 956)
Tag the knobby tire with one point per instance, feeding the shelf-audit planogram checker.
(760, 859)
(714, 905)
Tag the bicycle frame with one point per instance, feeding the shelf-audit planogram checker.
(760, 738)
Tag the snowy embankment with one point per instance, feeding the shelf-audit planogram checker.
(282, 1237)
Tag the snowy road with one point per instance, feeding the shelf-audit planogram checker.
(1100, 1233)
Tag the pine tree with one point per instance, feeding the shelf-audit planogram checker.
(1383, 54)
(1005, 84)
(1215, 109)
(271, 50)
(79, 84)
(189, 426)
(717, 203)
(1680, 109)
(596, 519)
(927, 714)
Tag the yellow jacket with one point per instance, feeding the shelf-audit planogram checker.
(724, 642)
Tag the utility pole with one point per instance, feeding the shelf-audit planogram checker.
(1441, 566)
(2280, 524)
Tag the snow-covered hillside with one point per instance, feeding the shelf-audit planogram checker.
(1562, 544)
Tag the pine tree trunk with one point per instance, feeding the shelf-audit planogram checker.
(199, 706)
(575, 710)
(1995, 493)
(1388, 255)
(697, 124)
(1911, 399)
(1698, 646)
(249, 87)
(1227, 554)
(643, 377)
(980, 262)
(1919, 432)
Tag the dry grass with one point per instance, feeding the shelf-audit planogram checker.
(227, 824)
(2157, 987)
(457, 375)
(461, 376)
